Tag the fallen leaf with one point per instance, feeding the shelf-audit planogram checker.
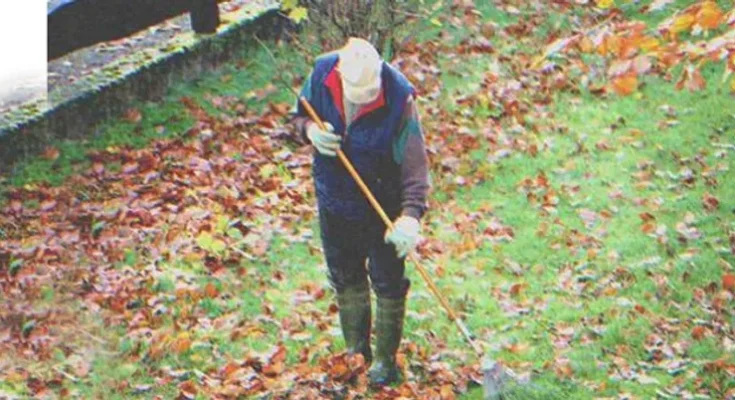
(691, 79)
(515, 289)
(728, 282)
(709, 16)
(698, 332)
(710, 202)
(682, 23)
(50, 153)
(211, 290)
(133, 115)
(182, 343)
(625, 84)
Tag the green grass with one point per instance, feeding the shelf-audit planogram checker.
(594, 294)
(702, 120)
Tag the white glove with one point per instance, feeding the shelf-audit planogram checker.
(405, 235)
(326, 143)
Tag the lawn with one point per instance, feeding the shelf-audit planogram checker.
(586, 235)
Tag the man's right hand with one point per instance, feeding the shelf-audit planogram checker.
(326, 142)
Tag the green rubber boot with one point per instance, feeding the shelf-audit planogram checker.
(389, 329)
(355, 319)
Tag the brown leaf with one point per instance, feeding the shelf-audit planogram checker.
(710, 202)
(698, 332)
(488, 29)
(133, 115)
(516, 288)
(646, 217)
(691, 79)
(50, 153)
(187, 391)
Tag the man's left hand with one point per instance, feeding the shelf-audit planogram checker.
(404, 235)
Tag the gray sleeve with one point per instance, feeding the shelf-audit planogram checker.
(413, 159)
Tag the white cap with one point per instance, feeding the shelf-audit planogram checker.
(360, 67)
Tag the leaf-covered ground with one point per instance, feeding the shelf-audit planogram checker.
(581, 222)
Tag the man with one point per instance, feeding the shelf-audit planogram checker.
(369, 109)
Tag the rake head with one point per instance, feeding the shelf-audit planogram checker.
(495, 378)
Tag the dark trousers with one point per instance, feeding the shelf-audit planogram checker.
(348, 244)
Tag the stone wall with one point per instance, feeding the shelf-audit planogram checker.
(77, 115)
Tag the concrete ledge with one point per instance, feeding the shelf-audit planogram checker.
(75, 112)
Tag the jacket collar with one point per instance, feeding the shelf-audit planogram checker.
(334, 85)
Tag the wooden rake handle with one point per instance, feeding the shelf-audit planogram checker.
(379, 209)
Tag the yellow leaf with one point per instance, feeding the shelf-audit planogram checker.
(289, 4)
(709, 16)
(436, 22)
(649, 44)
(586, 45)
(605, 3)
(732, 85)
(610, 45)
(682, 23)
(298, 14)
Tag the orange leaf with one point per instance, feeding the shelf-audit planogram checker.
(610, 45)
(625, 84)
(211, 291)
(709, 16)
(728, 282)
(274, 369)
(230, 369)
(181, 344)
(648, 228)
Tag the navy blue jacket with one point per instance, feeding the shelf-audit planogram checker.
(368, 142)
